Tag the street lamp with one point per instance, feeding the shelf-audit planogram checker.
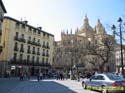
(120, 24)
(71, 73)
(113, 28)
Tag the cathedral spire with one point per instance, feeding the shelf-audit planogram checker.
(98, 20)
(67, 32)
(99, 23)
(71, 31)
(86, 20)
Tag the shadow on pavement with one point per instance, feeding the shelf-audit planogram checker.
(6, 84)
(51, 87)
(32, 86)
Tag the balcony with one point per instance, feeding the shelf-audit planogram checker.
(15, 49)
(43, 54)
(47, 55)
(33, 52)
(38, 53)
(44, 46)
(28, 51)
(19, 39)
(34, 43)
(28, 63)
(21, 50)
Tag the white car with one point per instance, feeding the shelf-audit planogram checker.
(105, 83)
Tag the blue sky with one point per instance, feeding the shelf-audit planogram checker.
(57, 15)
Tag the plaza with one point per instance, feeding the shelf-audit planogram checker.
(14, 85)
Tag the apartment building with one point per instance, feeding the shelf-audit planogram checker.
(25, 48)
(118, 59)
(2, 11)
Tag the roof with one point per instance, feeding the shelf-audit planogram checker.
(2, 5)
(21, 22)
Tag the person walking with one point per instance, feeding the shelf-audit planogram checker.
(38, 76)
(41, 75)
(21, 76)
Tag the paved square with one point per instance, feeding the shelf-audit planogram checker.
(14, 85)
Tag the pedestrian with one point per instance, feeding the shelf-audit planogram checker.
(28, 75)
(21, 76)
(38, 76)
(41, 75)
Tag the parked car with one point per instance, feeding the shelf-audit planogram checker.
(105, 83)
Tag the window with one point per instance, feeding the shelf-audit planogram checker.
(43, 60)
(28, 47)
(44, 34)
(48, 35)
(34, 39)
(46, 60)
(21, 46)
(34, 31)
(37, 59)
(38, 31)
(16, 44)
(23, 26)
(28, 50)
(37, 49)
(22, 36)
(114, 77)
(17, 25)
(43, 50)
(33, 58)
(43, 43)
(47, 44)
(47, 51)
(30, 29)
(29, 38)
(28, 58)
(33, 48)
(22, 49)
(21, 57)
(15, 56)
(38, 40)
(93, 77)
(100, 77)
(17, 34)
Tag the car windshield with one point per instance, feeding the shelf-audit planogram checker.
(114, 77)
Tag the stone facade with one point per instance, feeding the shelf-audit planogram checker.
(74, 49)
(2, 11)
(25, 48)
(118, 58)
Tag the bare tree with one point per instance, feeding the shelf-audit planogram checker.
(103, 51)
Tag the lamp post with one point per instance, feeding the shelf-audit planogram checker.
(71, 73)
(121, 47)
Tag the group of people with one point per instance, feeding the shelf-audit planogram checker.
(24, 75)
(39, 76)
(61, 76)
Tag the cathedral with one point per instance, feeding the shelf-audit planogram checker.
(75, 49)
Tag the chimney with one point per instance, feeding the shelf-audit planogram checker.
(40, 28)
(25, 22)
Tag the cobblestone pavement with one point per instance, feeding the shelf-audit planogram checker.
(14, 85)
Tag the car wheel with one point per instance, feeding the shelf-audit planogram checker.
(104, 90)
(84, 85)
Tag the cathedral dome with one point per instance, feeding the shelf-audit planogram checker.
(86, 28)
(99, 28)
